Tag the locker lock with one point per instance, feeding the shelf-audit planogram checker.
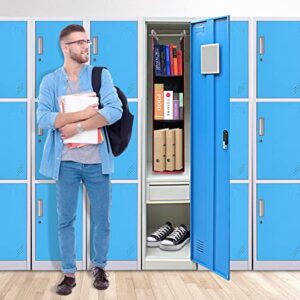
(225, 139)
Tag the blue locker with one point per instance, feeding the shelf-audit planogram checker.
(239, 221)
(210, 168)
(13, 222)
(124, 216)
(279, 226)
(126, 165)
(14, 59)
(46, 238)
(238, 141)
(239, 59)
(278, 146)
(50, 56)
(278, 60)
(13, 158)
(117, 49)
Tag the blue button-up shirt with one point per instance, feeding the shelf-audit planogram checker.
(52, 87)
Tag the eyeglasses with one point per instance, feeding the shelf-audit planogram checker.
(80, 43)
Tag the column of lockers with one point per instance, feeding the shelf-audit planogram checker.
(276, 200)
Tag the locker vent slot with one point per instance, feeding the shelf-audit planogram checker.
(200, 246)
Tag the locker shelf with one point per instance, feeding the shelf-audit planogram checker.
(157, 253)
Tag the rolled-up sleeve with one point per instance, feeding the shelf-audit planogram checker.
(45, 112)
(112, 105)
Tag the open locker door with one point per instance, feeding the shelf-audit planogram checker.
(210, 105)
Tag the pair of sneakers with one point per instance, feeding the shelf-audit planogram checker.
(100, 282)
(166, 237)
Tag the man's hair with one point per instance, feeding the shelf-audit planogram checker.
(69, 29)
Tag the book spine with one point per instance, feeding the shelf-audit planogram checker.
(175, 60)
(157, 60)
(179, 61)
(168, 105)
(176, 109)
(171, 59)
(158, 101)
(167, 54)
(163, 60)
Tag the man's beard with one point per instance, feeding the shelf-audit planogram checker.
(79, 58)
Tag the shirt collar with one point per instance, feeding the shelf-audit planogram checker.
(80, 72)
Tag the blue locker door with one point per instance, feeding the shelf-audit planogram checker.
(46, 238)
(210, 161)
(277, 140)
(239, 222)
(117, 50)
(238, 140)
(13, 221)
(123, 236)
(278, 61)
(126, 165)
(239, 59)
(278, 225)
(13, 123)
(48, 55)
(13, 50)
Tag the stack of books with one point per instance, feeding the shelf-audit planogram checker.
(167, 104)
(168, 149)
(167, 60)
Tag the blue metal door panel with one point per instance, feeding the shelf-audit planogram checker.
(126, 165)
(278, 61)
(13, 221)
(239, 221)
(238, 141)
(124, 217)
(13, 158)
(279, 147)
(210, 162)
(13, 50)
(117, 50)
(278, 229)
(46, 236)
(51, 57)
(239, 59)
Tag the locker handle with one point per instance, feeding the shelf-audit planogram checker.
(261, 207)
(40, 45)
(40, 207)
(95, 45)
(261, 126)
(225, 139)
(261, 45)
(40, 131)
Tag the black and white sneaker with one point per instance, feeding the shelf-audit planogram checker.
(154, 239)
(177, 239)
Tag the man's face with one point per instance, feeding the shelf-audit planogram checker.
(78, 51)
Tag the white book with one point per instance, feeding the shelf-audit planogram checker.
(168, 105)
(73, 103)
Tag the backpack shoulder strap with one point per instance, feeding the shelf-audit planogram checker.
(96, 79)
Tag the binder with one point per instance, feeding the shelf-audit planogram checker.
(170, 150)
(159, 149)
(178, 149)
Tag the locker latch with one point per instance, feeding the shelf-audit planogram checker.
(225, 139)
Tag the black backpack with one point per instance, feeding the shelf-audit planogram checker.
(120, 132)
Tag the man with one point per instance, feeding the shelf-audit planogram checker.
(92, 164)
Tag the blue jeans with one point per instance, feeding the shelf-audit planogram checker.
(98, 186)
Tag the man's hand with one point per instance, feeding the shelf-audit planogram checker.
(90, 111)
(68, 131)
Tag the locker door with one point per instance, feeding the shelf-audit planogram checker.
(46, 238)
(115, 46)
(13, 222)
(277, 140)
(123, 235)
(278, 61)
(48, 55)
(278, 222)
(210, 158)
(126, 165)
(13, 123)
(238, 140)
(13, 52)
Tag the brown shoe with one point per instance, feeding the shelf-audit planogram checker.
(65, 287)
(100, 278)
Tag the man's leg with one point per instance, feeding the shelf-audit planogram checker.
(99, 191)
(67, 187)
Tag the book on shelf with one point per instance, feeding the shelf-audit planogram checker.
(171, 60)
(157, 60)
(175, 106)
(180, 106)
(179, 62)
(163, 60)
(168, 105)
(158, 101)
(167, 56)
(175, 68)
